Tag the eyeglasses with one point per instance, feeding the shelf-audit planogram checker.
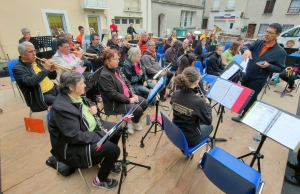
(268, 32)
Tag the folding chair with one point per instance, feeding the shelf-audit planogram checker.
(177, 137)
(227, 46)
(206, 77)
(11, 64)
(230, 174)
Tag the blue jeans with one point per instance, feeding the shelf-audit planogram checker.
(145, 90)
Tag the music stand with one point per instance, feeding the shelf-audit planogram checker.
(152, 98)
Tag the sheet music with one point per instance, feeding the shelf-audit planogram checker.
(244, 64)
(219, 90)
(286, 130)
(230, 72)
(260, 116)
(231, 96)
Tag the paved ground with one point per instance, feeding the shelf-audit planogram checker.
(288, 188)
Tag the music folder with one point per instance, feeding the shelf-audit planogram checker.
(230, 95)
(231, 70)
(275, 123)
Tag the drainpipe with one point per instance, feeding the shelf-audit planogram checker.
(203, 13)
(147, 18)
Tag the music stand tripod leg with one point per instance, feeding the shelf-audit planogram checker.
(214, 139)
(124, 161)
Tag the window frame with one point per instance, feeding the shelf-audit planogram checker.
(270, 7)
(99, 19)
(187, 19)
(288, 11)
(258, 34)
(65, 19)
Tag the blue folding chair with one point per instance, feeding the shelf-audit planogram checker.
(11, 64)
(206, 77)
(177, 137)
(161, 49)
(230, 174)
(198, 65)
(160, 57)
(227, 46)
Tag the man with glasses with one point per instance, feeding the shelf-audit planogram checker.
(95, 48)
(152, 66)
(272, 58)
(123, 50)
(33, 78)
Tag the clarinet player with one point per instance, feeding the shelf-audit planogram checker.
(117, 94)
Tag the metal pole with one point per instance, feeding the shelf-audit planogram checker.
(203, 12)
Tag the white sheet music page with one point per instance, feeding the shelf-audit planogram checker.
(286, 131)
(259, 116)
(219, 90)
(244, 64)
(230, 72)
(231, 96)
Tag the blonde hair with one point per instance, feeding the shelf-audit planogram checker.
(133, 54)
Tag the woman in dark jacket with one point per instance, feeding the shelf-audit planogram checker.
(74, 132)
(135, 72)
(214, 63)
(117, 95)
(201, 48)
(190, 110)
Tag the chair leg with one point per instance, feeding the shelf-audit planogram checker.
(20, 92)
(183, 169)
(13, 88)
(158, 142)
(30, 113)
(87, 187)
(57, 167)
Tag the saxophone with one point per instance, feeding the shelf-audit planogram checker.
(288, 71)
(128, 84)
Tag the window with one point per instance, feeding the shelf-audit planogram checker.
(124, 21)
(286, 27)
(230, 4)
(230, 25)
(293, 33)
(93, 23)
(294, 7)
(55, 20)
(137, 21)
(187, 19)
(262, 29)
(117, 21)
(204, 24)
(56, 23)
(269, 6)
(216, 5)
(131, 21)
(134, 5)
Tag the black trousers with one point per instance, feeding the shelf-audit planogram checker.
(290, 80)
(205, 131)
(108, 154)
(139, 111)
(254, 84)
(297, 169)
(50, 96)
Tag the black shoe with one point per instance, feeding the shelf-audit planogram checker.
(237, 119)
(292, 164)
(162, 98)
(116, 169)
(292, 180)
(108, 184)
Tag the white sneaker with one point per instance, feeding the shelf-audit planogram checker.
(130, 127)
(137, 126)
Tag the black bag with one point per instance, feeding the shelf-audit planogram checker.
(62, 168)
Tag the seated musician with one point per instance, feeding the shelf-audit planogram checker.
(135, 72)
(142, 42)
(290, 78)
(55, 40)
(201, 49)
(95, 48)
(26, 35)
(65, 58)
(185, 48)
(153, 67)
(168, 44)
(33, 78)
(214, 63)
(72, 45)
(74, 132)
(117, 94)
(190, 110)
(122, 50)
(171, 53)
(109, 41)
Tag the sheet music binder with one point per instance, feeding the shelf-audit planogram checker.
(275, 123)
(231, 70)
(230, 95)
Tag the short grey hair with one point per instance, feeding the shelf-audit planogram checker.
(67, 34)
(114, 35)
(25, 30)
(22, 47)
(149, 42)
(69, 79)
(133, 54)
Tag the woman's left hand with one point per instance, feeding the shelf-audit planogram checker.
(93, 110)
(145, 84)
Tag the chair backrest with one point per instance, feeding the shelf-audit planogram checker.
(205, 65)
(175, 135)
(161, 49)
(229, 173)
(198, 65)
(227, 46)
(11, 64)
(47, 116)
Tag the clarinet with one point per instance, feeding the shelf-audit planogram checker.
(98, 120)
(127, 83)
(200, 91)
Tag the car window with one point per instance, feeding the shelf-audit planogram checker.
(293, 33)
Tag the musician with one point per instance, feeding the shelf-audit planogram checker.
(123, 51)
(117, 94)
(294, 179)
(142, 42)
(113, 27)
(168, 44)
(212, 40)
(262, 50)
(201, 49)
(152, 66)
(69, 38)
(290, 79)
(214, 63)
(131, 30)
(34, 79)
(95, 48)
(229, 54)
(80, 36)
(55, 40)
(135, 72)
(26, 35)
(189, 36)
(190, 110)
(205, 35)
(74, 132)
(185, 48)
(173, 35)
(171, 53)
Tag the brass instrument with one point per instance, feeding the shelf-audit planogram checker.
(92, 31)
(128, 84)
(288, 71)
(56, 66)
(88, 56)
(216, 29)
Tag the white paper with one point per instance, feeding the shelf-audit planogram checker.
(286, 130)
(260, 116)
(231, 96)
(244, 64)
(219, 90)
(230, 72)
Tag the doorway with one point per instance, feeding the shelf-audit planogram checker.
(161, 25)
(250, 30)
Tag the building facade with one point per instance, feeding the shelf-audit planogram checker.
(167, 15)
(47, 18)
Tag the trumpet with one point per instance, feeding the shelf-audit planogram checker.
(288, 71)
(88, 56)
(56, 66)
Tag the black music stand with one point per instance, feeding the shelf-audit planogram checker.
(152, 98)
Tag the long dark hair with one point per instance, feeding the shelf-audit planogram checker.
(185, 62)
